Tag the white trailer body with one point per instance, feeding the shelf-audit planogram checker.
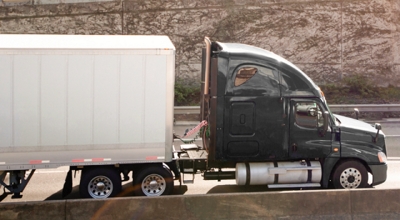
(70, 100)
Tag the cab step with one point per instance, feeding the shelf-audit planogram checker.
(296, 185)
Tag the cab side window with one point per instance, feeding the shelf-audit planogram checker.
(255, 80)
(244, 74)
(308, 115)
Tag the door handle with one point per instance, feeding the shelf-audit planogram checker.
(294, 147)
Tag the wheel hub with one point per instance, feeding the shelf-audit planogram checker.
(153, 185)
(350, 178)
(100, 187)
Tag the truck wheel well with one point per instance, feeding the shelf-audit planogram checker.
(349, 159)
(139, 167)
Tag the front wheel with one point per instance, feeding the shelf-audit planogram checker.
(350, 175)
(153, 181)
(100, 183)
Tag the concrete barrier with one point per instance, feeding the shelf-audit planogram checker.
(375, 204)
(33, 210)
(316, 204)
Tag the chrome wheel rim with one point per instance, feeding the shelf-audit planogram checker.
(100, 187)
(350, 178)
(153, 185)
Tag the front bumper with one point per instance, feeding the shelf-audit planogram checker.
(379, 173)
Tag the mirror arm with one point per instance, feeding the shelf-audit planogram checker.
(326, 123)
(378, 127)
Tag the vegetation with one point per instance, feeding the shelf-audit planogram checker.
(353, 90)
(359, 90)
(187, 93)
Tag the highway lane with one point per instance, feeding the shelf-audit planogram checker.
(391, 128)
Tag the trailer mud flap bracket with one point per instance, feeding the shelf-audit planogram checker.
(18, 182)
(67, 189)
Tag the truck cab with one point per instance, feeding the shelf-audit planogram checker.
(271, 122)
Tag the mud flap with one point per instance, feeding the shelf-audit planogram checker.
(67, 189)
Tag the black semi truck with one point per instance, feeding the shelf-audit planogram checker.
(269, 124)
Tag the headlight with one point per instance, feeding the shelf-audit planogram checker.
(382, 157)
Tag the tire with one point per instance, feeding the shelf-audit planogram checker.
(350, 175)
(100, 183)
(153, 181)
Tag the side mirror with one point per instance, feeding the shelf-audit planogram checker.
(326, 124)
(312, 112)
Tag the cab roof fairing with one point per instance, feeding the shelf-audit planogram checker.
(237, 49)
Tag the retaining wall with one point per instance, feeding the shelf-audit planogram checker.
(327, 39)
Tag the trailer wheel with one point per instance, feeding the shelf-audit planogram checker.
(153, 181)
(350, 175)
(100, 183)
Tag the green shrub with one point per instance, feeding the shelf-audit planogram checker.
(359, 90)
(333, 92)
(187, 93)
(353, 90)
(360, 85)
(390, 94)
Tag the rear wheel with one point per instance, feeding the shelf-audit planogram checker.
(100, 183)
(350, 175)
(153, 181)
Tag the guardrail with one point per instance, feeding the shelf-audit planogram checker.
(334, 108)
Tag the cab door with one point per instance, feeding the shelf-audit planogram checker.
(306, 136)
(253, 115)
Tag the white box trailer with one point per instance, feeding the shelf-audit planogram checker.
(85, 101)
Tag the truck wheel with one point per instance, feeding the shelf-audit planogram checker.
(153, 181)
(350, 175)
(100, 183)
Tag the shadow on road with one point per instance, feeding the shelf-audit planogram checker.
(127, 191)
(58, 195)
(237, 189)
(3, 196)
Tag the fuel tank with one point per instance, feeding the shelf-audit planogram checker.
(278, 173)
